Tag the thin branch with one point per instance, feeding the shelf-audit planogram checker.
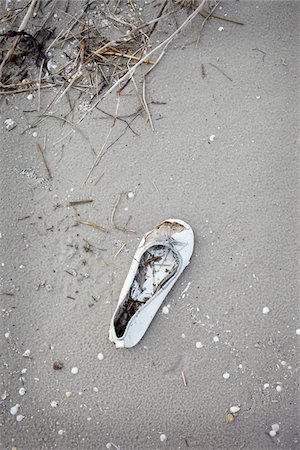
(105, 142)
(39, 149)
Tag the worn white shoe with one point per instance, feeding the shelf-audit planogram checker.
(160, 259)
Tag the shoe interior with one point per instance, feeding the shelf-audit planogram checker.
(157, 265)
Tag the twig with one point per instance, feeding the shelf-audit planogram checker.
(220, 70)
(17, 38)
(105, 142)
(183, 378)
(205, 14)
(79, 202)
(39, 149)
(120, 249)
(112, 216)
(91, 224)
(39, 85)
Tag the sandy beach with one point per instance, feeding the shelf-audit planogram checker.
(219, 367)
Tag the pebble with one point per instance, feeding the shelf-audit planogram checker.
(74, 370)
(165, 310)
(26, 354)
(265, 310)
(34, 134)
(216, 339)
(226, 375)
(298, 332)
(199, 344)
(278, 388)
(68, 394)
(266, 386)
(163, 438)
(22, 391)
(100, 356)
(95, 389)
(130, 195)
(29, 96)
(60, 432)
(57, 365)
(221, 29)
(14, 409)
(275, 427)
(54, 404)
(212, 138)
(20, 418)
(272, 433)
(7, 335)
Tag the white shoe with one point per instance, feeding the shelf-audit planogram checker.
(161, 257)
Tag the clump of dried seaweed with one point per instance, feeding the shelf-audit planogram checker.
(100, 45)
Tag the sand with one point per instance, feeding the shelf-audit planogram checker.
(223, 158)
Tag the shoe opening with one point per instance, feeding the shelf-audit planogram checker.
(157, 265)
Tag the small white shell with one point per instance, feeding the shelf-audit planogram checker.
(22, 391)
(234, 409)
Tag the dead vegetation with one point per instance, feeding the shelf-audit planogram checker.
(102, 46)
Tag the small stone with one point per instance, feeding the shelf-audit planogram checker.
(6, 335)
(29, 96)
(275, 427)
(266, 386)
(95, 389)
(68, 394)
(58, 365)
(100, 356)
(22, 391)
(226, 375)
(212, 138)
(272, 433)
(265, 310)
(163, 438)
(108, 445)
(298, 332)
(165, 310)
(54, 404)
(199, 344)
(234, 409)
(278, 388)
(216, 339)
(20, 418)
(34, 134)
(26, 354)
(130, 195)
(14, 409)
(221, 29)
(74, 370)
(60, 432)
(229, 418)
